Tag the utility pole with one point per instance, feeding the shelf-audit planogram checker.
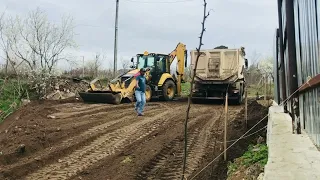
(116, 40)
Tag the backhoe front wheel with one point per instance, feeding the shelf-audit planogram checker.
(148, 93)
(168, 90)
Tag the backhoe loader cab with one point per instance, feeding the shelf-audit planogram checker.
(159, 80)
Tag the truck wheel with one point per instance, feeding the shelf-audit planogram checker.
(169, 90)
(148, 93)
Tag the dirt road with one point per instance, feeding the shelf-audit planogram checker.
(68, 140)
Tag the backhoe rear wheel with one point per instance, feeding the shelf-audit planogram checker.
(168, 90)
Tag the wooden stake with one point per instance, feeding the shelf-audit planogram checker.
(270, 88)
(246, 106)
(225, 127)
(265, 88)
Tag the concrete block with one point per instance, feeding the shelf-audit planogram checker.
(276, 109)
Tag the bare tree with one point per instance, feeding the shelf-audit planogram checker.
(95, 64)
(254, 58)
(37, 42)
(266, 66)
(124, 64)
(203, 29)
(3, 44)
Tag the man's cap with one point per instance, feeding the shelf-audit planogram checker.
(142, 70)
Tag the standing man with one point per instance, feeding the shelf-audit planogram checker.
(140, 92)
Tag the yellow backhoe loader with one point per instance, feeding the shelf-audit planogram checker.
(160, 83)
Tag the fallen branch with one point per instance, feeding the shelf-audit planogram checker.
(203, 29)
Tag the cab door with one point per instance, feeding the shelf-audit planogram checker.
(160, 68)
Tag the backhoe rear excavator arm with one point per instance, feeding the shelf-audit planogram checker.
(181, 53)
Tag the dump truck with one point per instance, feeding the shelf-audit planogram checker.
(219, 70)
(160, 83)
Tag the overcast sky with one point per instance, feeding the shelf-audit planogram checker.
(158, 25)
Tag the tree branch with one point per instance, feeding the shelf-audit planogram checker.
(203, 29)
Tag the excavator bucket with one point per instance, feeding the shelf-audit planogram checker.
(101, 97)
(99, 94)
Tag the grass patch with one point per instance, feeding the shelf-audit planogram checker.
(185, 88)
(256, 154)
(260, 89)
(10, 92)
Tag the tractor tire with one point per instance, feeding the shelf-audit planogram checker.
(168, 90)
(148, 93)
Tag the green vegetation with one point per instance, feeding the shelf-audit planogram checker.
(260, 89)
(257, 154)
(10, 94)
(185, 88)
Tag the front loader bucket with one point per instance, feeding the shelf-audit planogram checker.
(101, 97)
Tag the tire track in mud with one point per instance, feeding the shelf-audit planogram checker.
(164, 166)
(69, 107)
(77, 141)
(105, 145)
(76, 113)
(94, 116)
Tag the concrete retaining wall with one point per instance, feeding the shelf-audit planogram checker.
(291, 156)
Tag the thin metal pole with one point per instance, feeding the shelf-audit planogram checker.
(292, 62)
(277, 70)
(225, 127)
(283, 73)
(116, 40)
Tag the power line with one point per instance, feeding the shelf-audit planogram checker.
(159, 2)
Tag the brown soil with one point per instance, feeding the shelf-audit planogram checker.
(72, 140)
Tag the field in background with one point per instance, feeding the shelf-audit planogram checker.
(260, 89)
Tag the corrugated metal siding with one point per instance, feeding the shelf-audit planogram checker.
(307, 33)
(307, 50)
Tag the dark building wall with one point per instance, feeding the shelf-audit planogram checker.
(306, 36)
